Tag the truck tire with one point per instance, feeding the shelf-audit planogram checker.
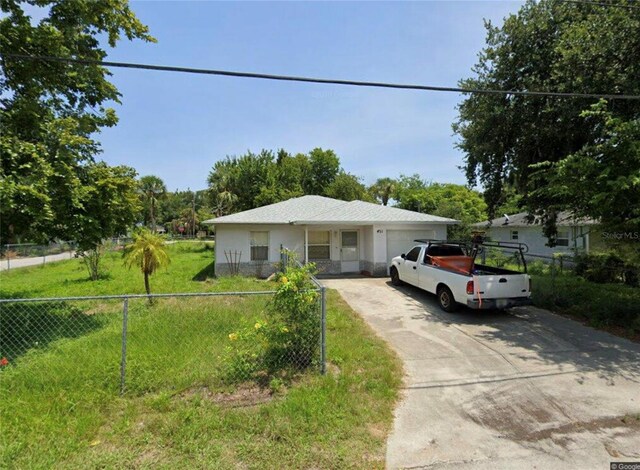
(395, 277)
(446, 300)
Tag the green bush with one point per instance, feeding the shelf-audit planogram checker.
(537, 268)
(286, 339)
(607, 267)
(601, 305)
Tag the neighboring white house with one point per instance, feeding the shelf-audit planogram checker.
(573, 233)
(339, 236)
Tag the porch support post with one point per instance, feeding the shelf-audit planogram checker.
(306, 244)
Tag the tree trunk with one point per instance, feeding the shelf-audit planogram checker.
(147, 287)
(153, 218)
(146, 284)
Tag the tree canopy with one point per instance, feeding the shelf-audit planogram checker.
(550, 149)
(51, 111)
(253, 180)
(382, 190)
(445, 200)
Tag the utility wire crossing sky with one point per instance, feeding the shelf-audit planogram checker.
(289, 78)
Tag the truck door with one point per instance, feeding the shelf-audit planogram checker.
(409, 272)
(426, 273)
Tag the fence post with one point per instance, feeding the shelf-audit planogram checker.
(323, 330)
(123, 362)
(284, 268)
(553, 278)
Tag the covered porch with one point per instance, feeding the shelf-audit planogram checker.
(339, 249)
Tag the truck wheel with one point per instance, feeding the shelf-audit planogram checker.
(446, 300)
(395, 277)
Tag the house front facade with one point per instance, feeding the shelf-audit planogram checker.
(338, 236)
(573, 234)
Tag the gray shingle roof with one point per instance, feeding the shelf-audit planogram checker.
(565, 219)
(319, 209)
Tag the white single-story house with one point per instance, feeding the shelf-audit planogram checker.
(573, 233)
(338, 236)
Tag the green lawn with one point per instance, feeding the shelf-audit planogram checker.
(61, 406)
(190, 270)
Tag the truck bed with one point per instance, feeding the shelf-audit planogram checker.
(482, 270)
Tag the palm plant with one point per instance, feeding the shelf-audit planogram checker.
(147, 251)
(152, 189)
(383, 189)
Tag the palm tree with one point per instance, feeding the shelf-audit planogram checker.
(147, 252)
(383, 189)
(152, 189)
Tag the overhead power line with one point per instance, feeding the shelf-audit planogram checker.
(603, 4)
(326, 81)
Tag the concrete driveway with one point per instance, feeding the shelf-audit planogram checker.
(524, 389)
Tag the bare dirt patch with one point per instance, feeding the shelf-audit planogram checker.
(245, 395)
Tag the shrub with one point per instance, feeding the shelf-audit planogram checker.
(537, 268)
(286, 339)
(607, 267)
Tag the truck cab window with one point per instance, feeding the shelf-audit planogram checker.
(413, 254)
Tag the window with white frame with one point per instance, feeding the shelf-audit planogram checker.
(259, 246)
(563, 238)
(319, 245)
(514, 235)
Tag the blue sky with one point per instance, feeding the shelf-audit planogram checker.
(177, 125)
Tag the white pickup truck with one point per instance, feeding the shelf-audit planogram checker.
(449, 270)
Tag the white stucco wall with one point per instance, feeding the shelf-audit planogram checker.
(237, 238)
(535, 239)
(372, 241)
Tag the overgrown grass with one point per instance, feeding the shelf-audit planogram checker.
(61, 406)
(615, 307)
(601, 305)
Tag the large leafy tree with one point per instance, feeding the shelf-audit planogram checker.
(445, 200)
(540, 145)
(253, 180)
(241, 179)
(324, 168)
(109, 207)
(347, 187)
(601, 180)
(51, 111)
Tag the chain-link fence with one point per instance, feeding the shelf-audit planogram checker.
(139, 343)
(31, 254)
(598, 268)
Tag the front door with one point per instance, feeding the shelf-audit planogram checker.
(349, 251)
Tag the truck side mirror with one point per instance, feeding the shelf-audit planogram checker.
(403, 256)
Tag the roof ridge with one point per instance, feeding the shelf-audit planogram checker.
(328, 210)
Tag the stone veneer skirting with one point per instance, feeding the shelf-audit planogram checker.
(263, 269)
(259, 269)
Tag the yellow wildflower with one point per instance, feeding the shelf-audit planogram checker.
(233, 336)
(284, 279)
(284, 329)
(258, 325)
